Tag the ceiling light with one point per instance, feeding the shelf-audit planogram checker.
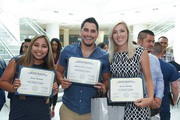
(70, 13)
(122, 14)
(155, 8)
(137, 11)
(55, 11)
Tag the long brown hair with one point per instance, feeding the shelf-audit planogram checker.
(28, 60)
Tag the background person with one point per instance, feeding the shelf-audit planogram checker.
(2, 92)
(21, 51)
(171, 77)
(24, 46)
(56, 48)
(146, 40)
(103, 45)
(166, 56)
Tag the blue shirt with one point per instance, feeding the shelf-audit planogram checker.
(170, 74)
(157, 76)
(78, 96)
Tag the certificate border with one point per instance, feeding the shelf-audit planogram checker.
(29, 94)
(81, 81)
(124, 101)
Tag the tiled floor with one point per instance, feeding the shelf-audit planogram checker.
(175, 113)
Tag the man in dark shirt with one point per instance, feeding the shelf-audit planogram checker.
(170, 76)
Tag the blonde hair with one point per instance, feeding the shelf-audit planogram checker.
(28, 60)
(112, 45)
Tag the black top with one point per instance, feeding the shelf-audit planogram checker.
(30, 108)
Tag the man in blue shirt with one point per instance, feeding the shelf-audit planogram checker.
(171, 77)
(77, 97)
(146, 40)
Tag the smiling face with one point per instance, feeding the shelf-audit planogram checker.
(89, 34)
(120, 36)
(164, 43)
(39, 49)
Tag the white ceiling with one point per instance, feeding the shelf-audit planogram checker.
(70, 13)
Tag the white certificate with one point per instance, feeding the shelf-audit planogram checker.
(36, 82)
(82, 70)
(126, 89)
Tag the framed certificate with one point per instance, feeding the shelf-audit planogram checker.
(37, 82)
(82, 70)
(126, 89)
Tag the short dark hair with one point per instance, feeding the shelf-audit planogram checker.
(157, 49)
(27, 40)
(101, 45)
(55, 39)
(142, 34)
(162, 37)
(90, 20)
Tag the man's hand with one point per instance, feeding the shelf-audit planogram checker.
(101, 87)
(156, 103)
(65, 83)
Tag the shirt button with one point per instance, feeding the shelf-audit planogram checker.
(81, 91)
(80, 100)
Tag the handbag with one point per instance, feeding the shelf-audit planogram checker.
(116, 112)
(99, 109)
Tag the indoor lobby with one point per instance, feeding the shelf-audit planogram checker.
(20, 19)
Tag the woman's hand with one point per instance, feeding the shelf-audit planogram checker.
(144, 102)
(55, 88)
(16, 84)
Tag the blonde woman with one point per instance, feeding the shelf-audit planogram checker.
(23, 107)
(129, 61)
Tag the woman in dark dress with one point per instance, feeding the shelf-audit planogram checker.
(25, 107)
(56, 48)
